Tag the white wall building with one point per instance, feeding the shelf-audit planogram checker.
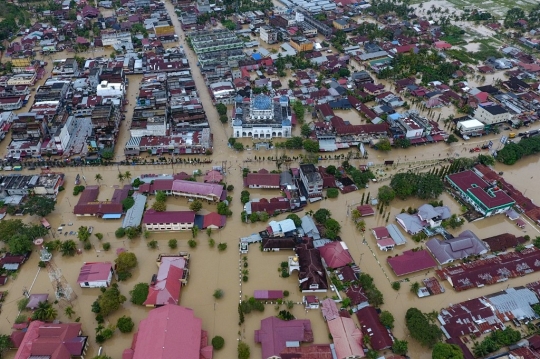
(491, 115)
(470, 127)
(110, 89)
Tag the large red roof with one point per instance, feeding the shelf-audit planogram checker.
(263, 179)
(470, 182)
(167, 287)
(411, 261)
(275, 333)
(371, 326)
(152, 216)
(94, 271)
(335, 254)
(169, 332)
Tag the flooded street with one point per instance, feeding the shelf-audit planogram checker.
(211, 269)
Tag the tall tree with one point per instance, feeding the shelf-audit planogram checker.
(39, 205)
(98, 178)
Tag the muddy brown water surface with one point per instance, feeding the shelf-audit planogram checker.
(210, 269)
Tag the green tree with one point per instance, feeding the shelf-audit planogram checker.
(322, 215)
(243, 350)
(384, 145)
(299, 111)
(486, 160)
(125, 324)
(196, 206)
(221, 109)
(305, 130)
(5, 344)
(125, 262)
(20, 244)
(332, 192)
(45, 312)
(159, 206)
(83, 234)
(311, 145)
(446, 351)
(429, 186)
(218, 294)
(120, 232)
(297, 221)
(387, 319)
(161, 196)
(69, 311)
(332, 225)
(415, 287)
(127, 203)
(331, 170)
(452, 138)
(68, 248)
(98, 178)
(139, 293)
(173, 243)
(386, 194)
(425, 332)
(39, 206)
(400, 347)
(110, 300)
(218, 342)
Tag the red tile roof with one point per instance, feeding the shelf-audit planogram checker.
(366, 210)
(347, 338)
(95, 271)
(88, 204)
(263, 180)
(214, 219)
(275, 333)
(336, 254)
(372, 327)
(275, 204)
(152, 216)
(411, 261)
(52, 340)
(380, 233)
(314, 351)
(169, 332)
(465, 181)
(167, 287)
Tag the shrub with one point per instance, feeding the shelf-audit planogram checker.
(396, 285)
(125, 324)
(222, 246)
(21, 319)
(139, 293)
(192, 243)
(245, 278)
(332, 192)
(211, 242)
(230, 188)
(173, 243)
(218, 293)
(87, 246)
(152, 244)
(120, 232)
(99, 236)
(286, 293)
(106, 246)
(42, 264)
(22, 303)
(218, 342)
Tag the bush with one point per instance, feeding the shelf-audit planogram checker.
(77, 190)
(106, 246)
(99, 236)
(22, 303)
(87, 246)
(218, 342)
(286, 293)
(21, 319)
(125, 324)
(192, 243)
(139, 293)
(173, 243)
(396, 285)
(152, 244)
(243, 351)
(42, 264)
(245, 278)
(218, 294)
(332, 192)
(120, 232)
(222, 246)
(230, 188)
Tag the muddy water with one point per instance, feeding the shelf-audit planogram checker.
(211, 269)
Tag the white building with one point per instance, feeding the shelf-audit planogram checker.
(470, 127)
(312, 180)
(262, 117)
(223, 92)
(268, 34)
(168, 221)
(490, 115)
(155, 126)
(95, 275)
(110, 89)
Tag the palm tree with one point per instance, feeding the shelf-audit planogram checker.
(127, 175)
(45, 311)
(361, 225)
(356, 215)
(69, 312)
(415, 287)
(121, 177)
(98, 178)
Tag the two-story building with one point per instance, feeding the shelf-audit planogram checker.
(491, 115)
(312, 181)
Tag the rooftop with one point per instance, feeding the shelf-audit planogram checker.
(411, 261)
(95, 271)
(276, 334)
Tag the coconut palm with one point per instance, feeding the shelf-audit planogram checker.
(356, 215)
(127, 175)
(69, 312)
(121, 177)
(361, 225)
(45, 311)
(415, 287)
(98, 178)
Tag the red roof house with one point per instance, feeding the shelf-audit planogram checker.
(95, 274)
(214, 220)
(336, 254)
(411, 261)
(170, 332)
(380, 337)
(365, 210)
(442, 45)
(276, 333)
(88, 205)
(213, 177)
(51, 341)
(262, 179)
(380, 233)
(268, 294)
(347, 338)
(167, 284)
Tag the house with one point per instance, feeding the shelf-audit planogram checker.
(411, 261)
(273, 206)
(312, 181)
(311, 273)
(268, 294)
(281, 228)
(501, 242)
(168, 221)
(465, 245)
(95, 275)
(262, 179)
(380, 233)
(380, 337)
(12, 262)
(88, 205)
(275, 335)
(160, 337)
(309, 228)
(492, 114)
(166, 286)
(471, 127)
(50, 340)
(310, 302)
(212, 220)
(275, 244)
(347, 338)
(366, 210)
(336, 254)
(357, 296)
(486, 198)
(474, 316)
(213, 177)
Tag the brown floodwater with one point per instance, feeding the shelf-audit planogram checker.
(211, 269)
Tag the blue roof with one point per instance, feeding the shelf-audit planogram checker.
(394, 116)
(256, 56)
(112, 216)
(262, 102)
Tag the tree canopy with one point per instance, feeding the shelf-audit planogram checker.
(422, 185)
(446, 351)
(19, 236)
(386, 194)
(39, 205)
(109, 301)
(124, 263)
(139, 293)
(297, 221)
(322, 215)
(513, 152)
(421, 328)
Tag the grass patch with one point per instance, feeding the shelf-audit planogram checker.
(453, 40)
